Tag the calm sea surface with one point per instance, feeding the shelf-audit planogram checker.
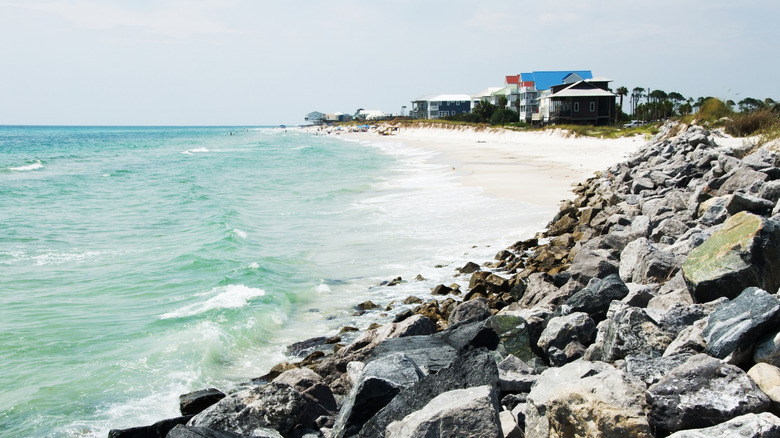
(137, 264)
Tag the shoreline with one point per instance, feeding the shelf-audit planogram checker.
(540, 168)
(611, 306)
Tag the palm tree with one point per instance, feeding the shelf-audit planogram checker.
(622, 91)
(636, 94)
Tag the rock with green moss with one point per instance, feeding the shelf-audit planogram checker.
(514, 334)
(745, 252)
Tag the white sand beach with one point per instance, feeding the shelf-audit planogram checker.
(536, 167)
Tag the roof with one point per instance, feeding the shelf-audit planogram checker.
(487, 92)
(546, 79)
(444, 97)
(513, 79)
(573, 91)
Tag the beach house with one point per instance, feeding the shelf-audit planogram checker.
(315, 118)
(434, 106)
(579, 101)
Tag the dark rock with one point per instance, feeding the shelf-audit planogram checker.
(625, 332)
(702, 392)
(318, 396)
(743, 253)
(272, 406)
(412, 300)
(380, 381)
(460, 374)
(441, 290)
(182, 431)
(596, 297)
(469, 268)
(306, 347)
(195, 402)
(651, 369)
(763, 425)
(734, 327)
(680, 316)
(744, 202)
(469, 412)
(474, 310)
(159, 429)
(561, 331)
(514, 334)
(401, 316)
(768, 349)
(366, 305)
(430, 353)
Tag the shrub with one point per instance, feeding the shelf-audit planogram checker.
(712, 110)
(751, 123)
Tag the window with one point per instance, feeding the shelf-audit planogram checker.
(576, 107)
(593, 107)
(444, 113)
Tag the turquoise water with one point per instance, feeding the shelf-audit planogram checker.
(141, 263)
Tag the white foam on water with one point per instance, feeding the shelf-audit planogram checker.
(239, 233)
(195, 151)
(323, 288)
(254, 265)
(225, 297)
(34, 166)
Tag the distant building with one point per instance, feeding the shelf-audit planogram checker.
(435, 106)
(579, 101)
(363, 114)
(315, 118)
(337, 117)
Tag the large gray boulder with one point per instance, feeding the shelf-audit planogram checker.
(474, 368)
(273, 406)
(469, 412)
(380, 382)
(470, 311)
(515, 376)
(596, 297)
(734, 327)
(182, 431)
(643, 262)
(651, 369)
(702, 392)
(561, 332)
(586, 399)
(593, 263)
(744, 252)
(627, 331)
(768, 349)
(763, 425)
(319, 397)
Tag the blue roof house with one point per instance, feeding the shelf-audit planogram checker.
(544, 80)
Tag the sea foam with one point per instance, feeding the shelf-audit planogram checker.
(225, 297)
(195, 151)
(34, 166)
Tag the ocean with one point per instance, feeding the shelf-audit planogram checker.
(141, 263)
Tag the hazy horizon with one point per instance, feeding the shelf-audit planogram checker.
(243, 63)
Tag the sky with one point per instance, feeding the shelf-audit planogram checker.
(251, 62)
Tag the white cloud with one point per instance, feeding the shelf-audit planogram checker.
(177, 20)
